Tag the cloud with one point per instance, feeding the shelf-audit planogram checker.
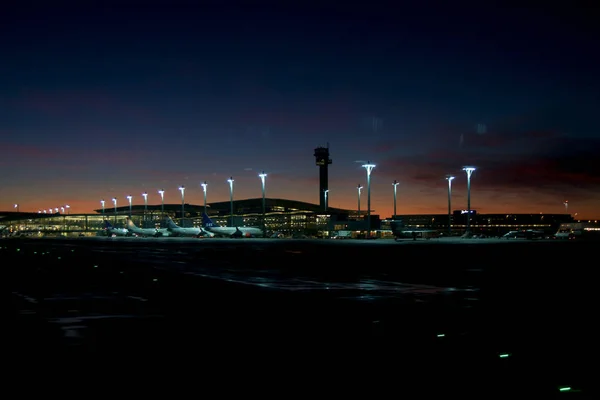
(505, 140)
(14, 152)
(73, 104)
(558, 165)
(62, 156)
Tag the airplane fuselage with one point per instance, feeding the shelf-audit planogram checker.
(184, 231)
(231, 231)
(150, 231)
(117, 231)
(146, 231)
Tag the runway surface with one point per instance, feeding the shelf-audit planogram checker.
(480, 308)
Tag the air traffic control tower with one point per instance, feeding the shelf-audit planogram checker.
(322, 159)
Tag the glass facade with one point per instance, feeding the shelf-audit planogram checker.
(286, 217)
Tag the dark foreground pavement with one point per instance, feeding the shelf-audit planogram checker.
(483, 318)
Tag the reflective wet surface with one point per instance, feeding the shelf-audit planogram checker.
(493, 310)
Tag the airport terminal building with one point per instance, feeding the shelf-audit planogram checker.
(483, 224)
(286, 217)
(283, 217)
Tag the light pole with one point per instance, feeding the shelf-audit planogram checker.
(262, 177)
(115, 203)
(62, 210)
(67, 207)
(395, 184)
(469, 171)
(129, 197)
(230, 180)
(449, 179)
(359, 188)
(566, 206)
(17, 207)
(182, 190)
(325, 192)
(145, 194)
(102, 202)
(162, 201)
(369, 167)
(204, 185)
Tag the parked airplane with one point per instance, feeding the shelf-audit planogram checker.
(176, 230)
(112, 231)
(578, 230)
(525, 234)
(229, 231)
(401, 233)
(161, 232)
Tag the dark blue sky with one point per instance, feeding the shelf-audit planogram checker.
(113, 98)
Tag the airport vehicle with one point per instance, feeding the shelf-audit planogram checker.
(229, 231)
(176, 230)
(160, 232)
(112, 231)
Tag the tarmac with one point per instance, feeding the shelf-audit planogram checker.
(477, 312)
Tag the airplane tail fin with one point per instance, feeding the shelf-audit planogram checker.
(207, 222)
(170, 223)
(130, 223)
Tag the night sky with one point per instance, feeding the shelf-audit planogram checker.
(114, 98)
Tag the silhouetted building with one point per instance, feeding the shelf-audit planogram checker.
(489, 224)
(289, 217)
(322, 160)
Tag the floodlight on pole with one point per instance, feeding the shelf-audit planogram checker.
(62, 210)
(359, 188)
(115, 204)
(129, 197)
(449, 179)
(325, 193)
(102, 202)
(204, 185)
(262, 177)
(17, 207)
(56, 209)
(145, 194)
(566, 203)
(369, 167)
(395, 184)
(469, 171)
(67, 207)
(162, 201)
(182, 190)
(230, 180)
